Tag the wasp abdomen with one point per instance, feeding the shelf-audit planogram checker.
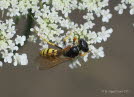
(49, 52)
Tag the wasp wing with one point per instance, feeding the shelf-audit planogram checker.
(47, 63)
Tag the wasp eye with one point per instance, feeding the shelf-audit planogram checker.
(83, 45)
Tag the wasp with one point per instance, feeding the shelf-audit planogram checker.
(52, 57)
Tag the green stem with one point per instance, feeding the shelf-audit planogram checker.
(41, 5)
(17, 18)
(29, 24)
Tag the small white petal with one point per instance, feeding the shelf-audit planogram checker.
(1, 64)
(71, 66)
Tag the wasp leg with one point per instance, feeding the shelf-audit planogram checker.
(84, 53)
(66, 58)
(75, 40)
(64, 40)
(50, 43)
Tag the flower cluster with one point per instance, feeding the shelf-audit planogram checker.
(9, 42)
(18, 7)
(8, 46)
(53, 23)
(123, 5)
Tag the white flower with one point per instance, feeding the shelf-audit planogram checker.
(35, 9)
(97, 53)
(1, 64)
(24, 60)
(104, 3)
(20, 40)
(106, 15)
(85, 58)
(3, 26)
(44, 45)
(92, 36)
(7, 56)
(88, 25)
(45, 0)
(13, 12)
(20, 59)
(89, 16)
(132, 9)
(74, 64)
(32, 38)
(4, 4)
(11, 29)
(16, 59)
(105, 33)
(120, 8)
(71, 66)
(12, 46)
(65, 23)
(10, 22)
(3, 45)
(133, 24)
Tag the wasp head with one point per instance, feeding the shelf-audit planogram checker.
(83, 45)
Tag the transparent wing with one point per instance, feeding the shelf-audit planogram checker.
(47, 63)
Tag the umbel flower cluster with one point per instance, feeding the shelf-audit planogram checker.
(8, 46)
(53, 23)
(9, 39)
(123, 5)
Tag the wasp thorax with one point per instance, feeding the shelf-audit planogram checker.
(73, 52)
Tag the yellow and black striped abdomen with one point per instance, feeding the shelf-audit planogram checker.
(49, 52)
